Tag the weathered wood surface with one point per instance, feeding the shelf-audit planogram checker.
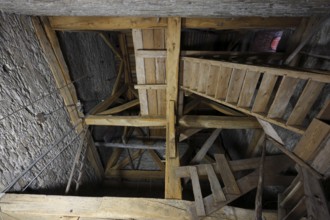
(29, 207)
(192, 8)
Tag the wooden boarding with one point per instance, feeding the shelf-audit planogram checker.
(315, 134)
(203, 75)
(309, 95)
(216, 189)
(223, 80)
(264, 93)
(197, 192)
(211, 84)
(248, 89)
(235, 85)
(226, 174)
(282, 98)
(131, 121)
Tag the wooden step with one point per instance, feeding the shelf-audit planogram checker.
(249, 87)
(212, 80)
(204, 70)
(235, 85)
(223, 83)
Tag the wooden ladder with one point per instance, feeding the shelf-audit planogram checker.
(304, 198)
(263, 92)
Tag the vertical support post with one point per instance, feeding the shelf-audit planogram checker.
(172, 184)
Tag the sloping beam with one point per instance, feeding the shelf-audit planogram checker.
(131, 121)
(28, 207)
(172, 184)
(188, 133)
(120, 108)
(225, 122)
(122, 23)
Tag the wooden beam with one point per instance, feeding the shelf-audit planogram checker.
(124, 162)
(122, 23)
(113, 158)
(205, 148)
(256, 142)
(225, 122)
(131, 121)
(156, 158)
(188, 133)
(108, 101)
(223, 109)
(172, 184)
(150, 86)
(135, 144)
(258, 200)
(120, 108)
(28, 207)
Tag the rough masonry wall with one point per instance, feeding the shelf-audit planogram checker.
(183, 8)
(28, 127)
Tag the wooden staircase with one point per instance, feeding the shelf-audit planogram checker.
(230, 187)
(263, 92)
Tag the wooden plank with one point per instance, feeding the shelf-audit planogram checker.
(194, 76)
(122, 23)
(316, 203)
(298, 130)
(299, 74)
(133, 121)
(321, 161)
(127, 67)
(264, 93)
(197, 191)
(212, 80)
(249, 87)
(133, 143)
(188, 133)
(226, 174)
(282, 98)
(324, 114)
(309, 95)
(223, 82)
(156, 158)
(150, 86)
(161, 78)
(221, 108)
(216, 189)
(108, 101)
(187, 69)
(120, 108)
(309, 143)
(140, 70)
(124, 162)
(278, 163)
(31, 207)
(150, 71)
(258, 200)
(191, 106)
(105, 23)
(172, 184)
(225, 122)
(235, 85)
(205, 148)
(204, 70)
(113, 159)
(240, 22)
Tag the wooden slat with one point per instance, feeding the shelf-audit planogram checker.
(225, 122)
(124, 162)
(133, 121)
(206, 146)
(172, 184)
(211, 84)
(309, 95)
(140, 70)
(204, 70)
(235, 85)
(223, 82)
(194, 76)
(282, 98)
(188, 133)
(248, 89)
(321, 161)
(197, 191)
(120, 108)
(226, 174)
(311, 140)
(270, 131)
(150, 71)
(161, 94)
(187, 73)
(171, 138)
(264, 93)
(216, 189)
(150, 86)
(113, 158)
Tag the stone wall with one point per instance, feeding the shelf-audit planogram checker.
(32, 113)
